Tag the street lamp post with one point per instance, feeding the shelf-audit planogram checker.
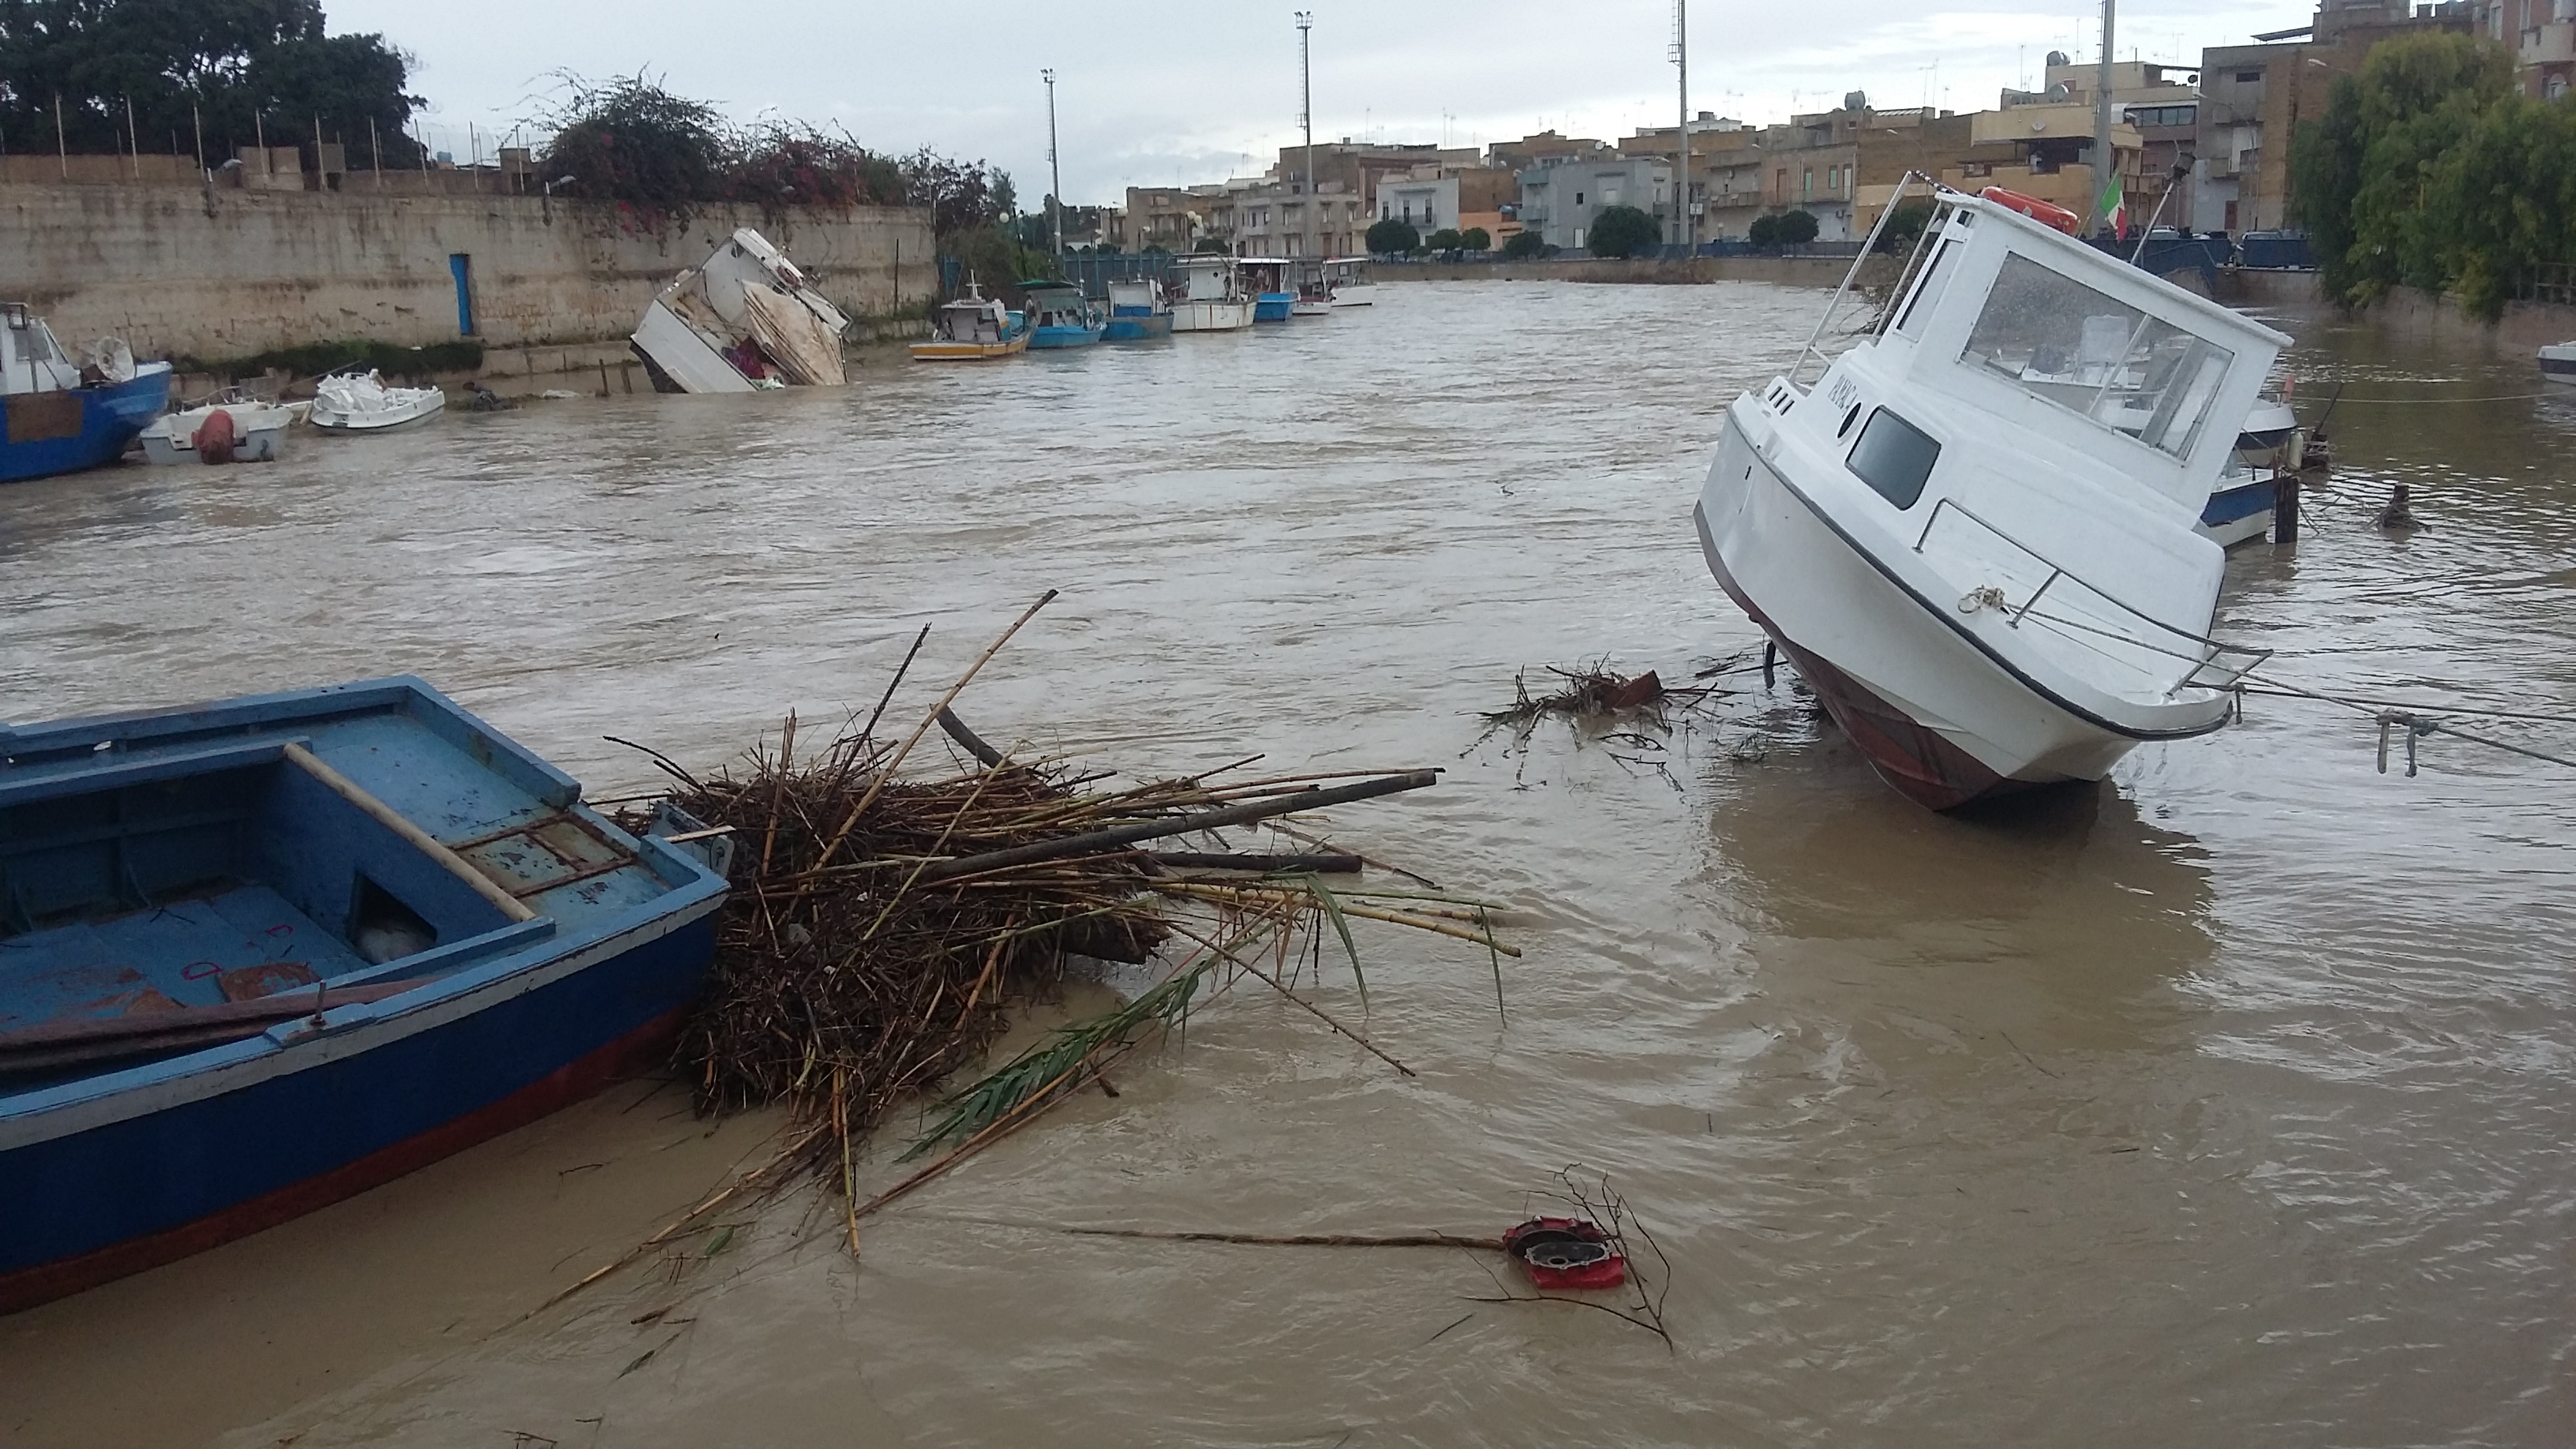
(1306, 89)
(1681, 59)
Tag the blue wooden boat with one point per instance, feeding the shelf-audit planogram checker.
(259, 956)
(1266, 278)
(57, 417)
(1061, 316)
(1137, 311)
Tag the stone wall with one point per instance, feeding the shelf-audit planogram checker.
(1791, 271)
(177, 273)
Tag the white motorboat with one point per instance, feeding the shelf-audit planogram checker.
(1212, 298)
(2558, 362)
(2240, 508)
(744, 320)
(1973, 534)
(359, 402)
(253, 432)
(1350, 282)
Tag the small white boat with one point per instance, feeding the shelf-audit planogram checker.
(1314, 291)
(2239, 509)
(1350, 282)
(256, 430)
(1974, 534)
(744, 320)
(360, 402)
(2558, 362)
(1211, 297)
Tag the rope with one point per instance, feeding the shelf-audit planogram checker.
(2501, 397)
(2417, 726)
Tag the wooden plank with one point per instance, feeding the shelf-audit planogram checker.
(410, 834)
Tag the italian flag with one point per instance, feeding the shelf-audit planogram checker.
(2115, 207)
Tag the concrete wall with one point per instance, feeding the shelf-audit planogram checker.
(254, 271)
(1790, 271)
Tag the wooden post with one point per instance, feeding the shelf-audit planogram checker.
(62, 153)
(133, 143)
(2285, 507)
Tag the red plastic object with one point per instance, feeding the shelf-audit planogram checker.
(215, 438)
(2046, 213)
(1568, 1253)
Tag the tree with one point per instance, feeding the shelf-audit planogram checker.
(960, 194)
(2428, 169)
(1390, 237)
(1797, 228)
(1215, 245)
(1905, 228)
(1475, 239)
(232, 64)
(1525, 245)
(631, 141)
(1622, 231)
(1764, 232)
(1443, 240)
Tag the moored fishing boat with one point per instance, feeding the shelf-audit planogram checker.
(1350, 281)
(58, 416)
(1060, 316)
(258, 956)
(1137, 311)
(972, 328)
(1314, 288)
(1266, 279)
(1212, 297)
(252, 432)
(361, 403)
(1973, 534)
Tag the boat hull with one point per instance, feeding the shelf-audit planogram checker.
(170, 446)
(1941, 719)
(1274, 306)
(346, 424)
(2239, 515)
(67, 432)
(2558, 363)
(1138, 328)
(224, 1153)
(1052, 338)
(1211, 316)
(943, 351)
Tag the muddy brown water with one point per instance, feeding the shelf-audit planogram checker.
(2226, 1103)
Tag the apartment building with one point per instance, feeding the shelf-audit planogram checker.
(1560, 197)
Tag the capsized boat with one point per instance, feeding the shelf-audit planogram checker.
(259, 956)
(743, 320)
(1973, 534)
(2558, 362)
(1137, 311)
(251, 432)
(1060, 316)
(1266, 278)
(59, 416)
(359, 402)
(1212, 297)
(972, 328)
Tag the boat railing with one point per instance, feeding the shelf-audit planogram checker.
(2211, 656)
(1867, 248)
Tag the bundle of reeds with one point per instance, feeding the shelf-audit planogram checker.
(883, 922)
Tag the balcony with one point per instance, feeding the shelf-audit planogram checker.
(2552, 44)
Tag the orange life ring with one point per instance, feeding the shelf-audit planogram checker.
(2046, 213)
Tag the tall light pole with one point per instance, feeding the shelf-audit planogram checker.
(1055, 173)
(1681, 59)
(2105, 165)
(1306, 89)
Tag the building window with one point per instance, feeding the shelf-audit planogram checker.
(1578, 200)
(2249, 77)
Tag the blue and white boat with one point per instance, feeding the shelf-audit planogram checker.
(61, 417)
(1060, 316)
(259, 956)
(2240, 507)
(1266, 278)
(1137, 311)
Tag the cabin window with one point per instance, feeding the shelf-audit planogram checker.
(1927, 289)
(1894, 458)
(2066, 343)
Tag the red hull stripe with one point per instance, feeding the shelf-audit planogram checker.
(627, 1056)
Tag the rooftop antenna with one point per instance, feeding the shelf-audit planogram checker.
(1055, 173)
(1681, 62)
(1306, 92)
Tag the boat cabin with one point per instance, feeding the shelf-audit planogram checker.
(1210, 279)
(31, 361)
(972, 318)
(1136, 298)
(1057, 304)
(1265, 276)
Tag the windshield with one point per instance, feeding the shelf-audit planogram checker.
(2058, 339)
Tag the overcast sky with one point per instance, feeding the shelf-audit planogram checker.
(1169, 93)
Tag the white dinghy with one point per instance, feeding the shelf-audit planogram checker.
(1974, 534)
(253, 432)
(361, 403)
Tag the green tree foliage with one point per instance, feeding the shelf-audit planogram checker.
(1524, 245)
(1443, 240)
(2430, 170)
(241, 67)
(1215, 245)
(1797, 228)
(1905, 228)
(1475, 239)
(1764, 232)
(1393, 237)
(1622, 231)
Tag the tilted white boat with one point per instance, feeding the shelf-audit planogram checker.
(2240, 506)
(1211, 296)
(359, 402)
(743, 320)
(2558, 362)
(1974, 534)
(257, 431)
